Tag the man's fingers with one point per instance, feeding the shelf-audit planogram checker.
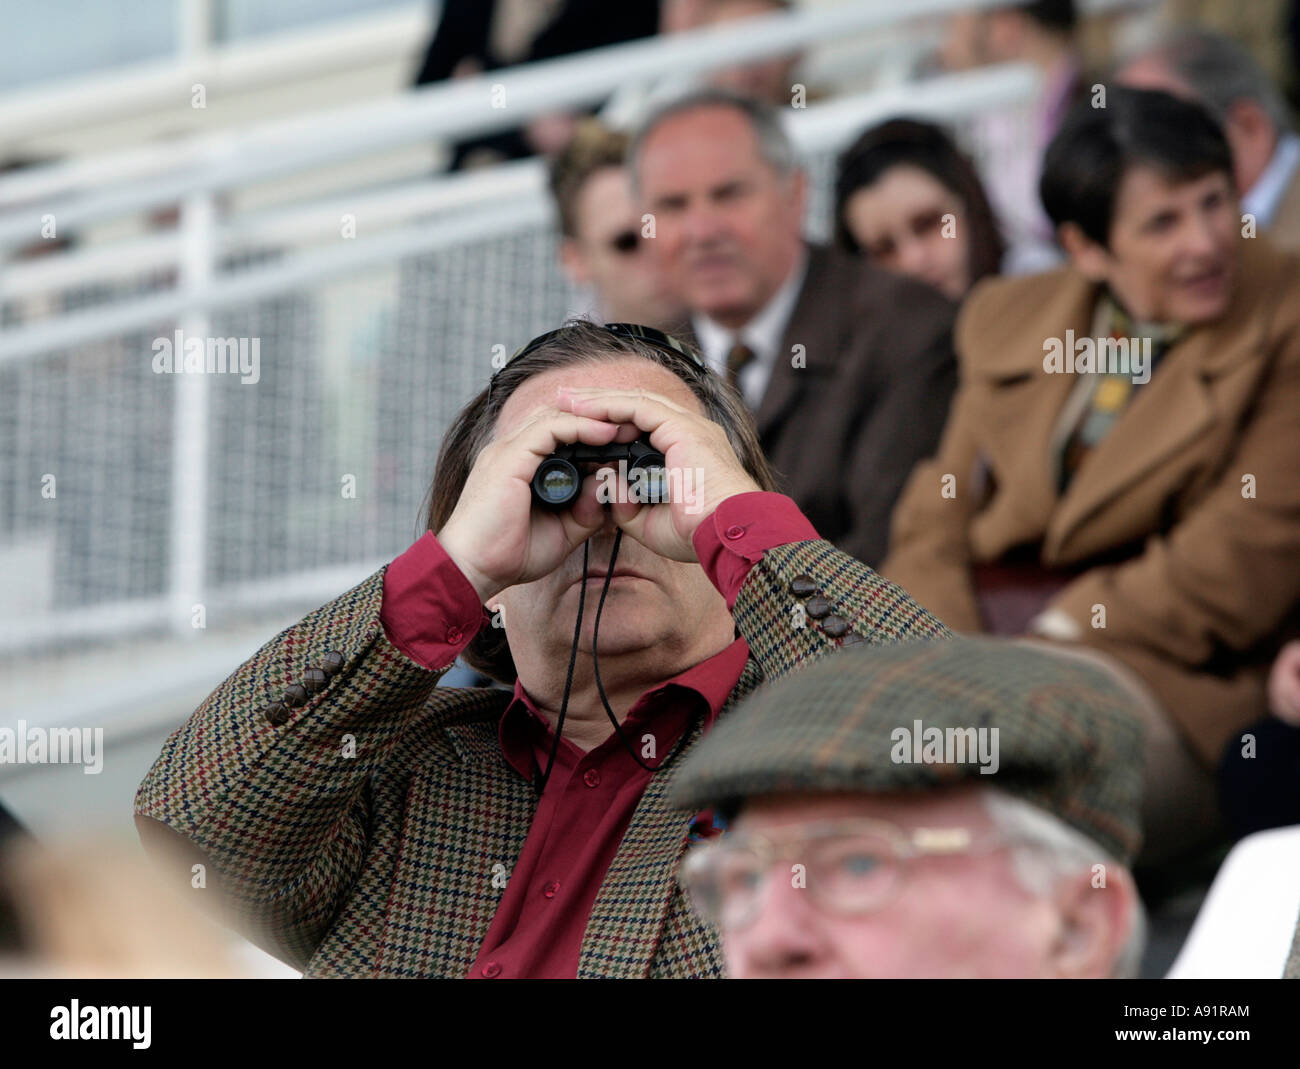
(647, 411)
(551, 428)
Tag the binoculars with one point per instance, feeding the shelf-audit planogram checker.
(558, 479)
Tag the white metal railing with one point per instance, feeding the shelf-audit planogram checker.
(447, 211)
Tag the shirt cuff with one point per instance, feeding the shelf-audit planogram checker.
(430, 610)
(744, 527)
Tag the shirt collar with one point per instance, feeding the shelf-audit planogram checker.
(711, 682)
(764, 331)
(1266, 194)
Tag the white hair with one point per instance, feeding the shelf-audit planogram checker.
(1046, 850)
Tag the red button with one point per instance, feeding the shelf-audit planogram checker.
(592, 778)
(551, 888)
(735, 531)
(453, 635)
(491, 969)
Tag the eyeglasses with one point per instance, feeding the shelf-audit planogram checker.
(661, 341)
(850, 867)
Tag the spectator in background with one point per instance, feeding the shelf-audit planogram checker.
(1148, 517)
(975, 859)
(1201, 65)
(909, 199)
(769, 80)
(475, 36)
(849, 368)
(1042, 34)
(1259, 773)
(602, 249)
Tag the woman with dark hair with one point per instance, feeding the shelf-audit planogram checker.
(908, 198)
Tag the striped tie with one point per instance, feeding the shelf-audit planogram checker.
(740, 357)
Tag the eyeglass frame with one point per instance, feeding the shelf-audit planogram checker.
(905, 845)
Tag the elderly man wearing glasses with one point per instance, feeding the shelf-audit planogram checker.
(363, 821)
(937, 809)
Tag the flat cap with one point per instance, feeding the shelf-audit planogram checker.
(1061, 733)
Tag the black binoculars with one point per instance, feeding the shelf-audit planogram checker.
(558, 480)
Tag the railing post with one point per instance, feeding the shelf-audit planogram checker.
(190, 422)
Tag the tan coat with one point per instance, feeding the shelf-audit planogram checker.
(1196, 609)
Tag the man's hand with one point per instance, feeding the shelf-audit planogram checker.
(495, 535)
(694, 447)
(1284, 684)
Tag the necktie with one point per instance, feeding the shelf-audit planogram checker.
(740, 357)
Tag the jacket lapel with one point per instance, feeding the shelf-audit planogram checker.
(625, 932)
(1159, 430)
(1025, 404)
(821, 336)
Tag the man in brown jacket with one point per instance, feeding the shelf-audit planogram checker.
(849, 369)
(1119, 473)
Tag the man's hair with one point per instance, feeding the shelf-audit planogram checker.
(915, 143)
(580, 342)
(593, 148)
(774, 145)
(1059, 16)
(1096, 146)
(1219, 71)
(1047, 850)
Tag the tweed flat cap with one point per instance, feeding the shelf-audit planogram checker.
(1061, 734)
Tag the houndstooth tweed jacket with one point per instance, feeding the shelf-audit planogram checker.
(359, 833)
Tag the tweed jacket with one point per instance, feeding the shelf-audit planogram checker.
(1183, 523)
(361, 837)
(858, 395)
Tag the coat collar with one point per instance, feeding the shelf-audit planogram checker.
(1167, 414)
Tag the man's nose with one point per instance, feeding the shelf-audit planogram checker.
(785, 934)
(703, 224)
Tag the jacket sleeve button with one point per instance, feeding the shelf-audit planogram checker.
(314, 679)
(853, 639)
(295, 695)
(818, 606)
(835, 626)
(802, 586)
(276, 713)
(331, 662)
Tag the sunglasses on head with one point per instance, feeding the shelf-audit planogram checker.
(661, 341)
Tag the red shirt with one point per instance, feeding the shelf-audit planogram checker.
(431, 612)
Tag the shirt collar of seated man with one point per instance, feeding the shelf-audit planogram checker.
(1141, 192)
(996, 888)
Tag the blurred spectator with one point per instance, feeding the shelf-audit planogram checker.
(1150, 516)
(1204, 66)
(908, 198)
(770, 79)
(1259, 774)
(601, 248)
(474, 36)
(1042, 34)
(83, 910)
(849, 368)
(975, 855)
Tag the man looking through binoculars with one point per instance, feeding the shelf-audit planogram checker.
(461, 835)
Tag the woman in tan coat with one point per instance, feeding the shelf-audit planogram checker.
(1120, 473)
